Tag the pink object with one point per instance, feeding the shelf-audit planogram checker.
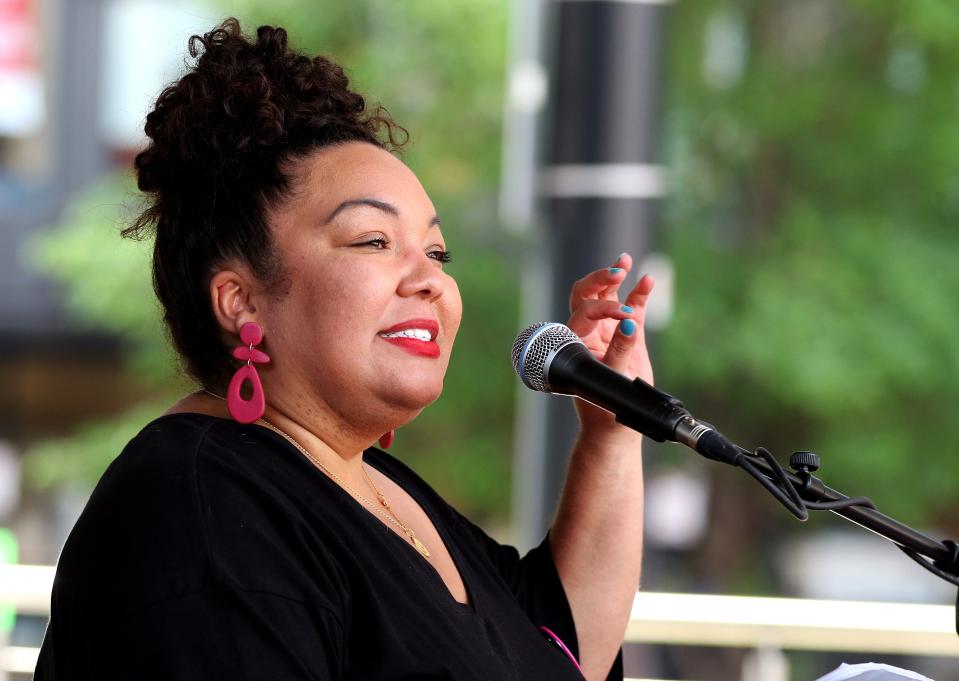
(386, 439)
(553, 638)
(247, 411)
(251, 334)
(243, 354)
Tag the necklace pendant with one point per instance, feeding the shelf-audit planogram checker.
(421, 547)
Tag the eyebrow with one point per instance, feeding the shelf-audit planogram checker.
(383, 206)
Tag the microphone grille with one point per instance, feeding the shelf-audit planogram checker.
(533, 347)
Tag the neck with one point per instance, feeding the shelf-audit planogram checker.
(332, 440)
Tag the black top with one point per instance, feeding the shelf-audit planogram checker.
(213, 550)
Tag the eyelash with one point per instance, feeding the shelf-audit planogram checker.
(439, 255)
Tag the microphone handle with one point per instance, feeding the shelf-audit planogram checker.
(573, 370)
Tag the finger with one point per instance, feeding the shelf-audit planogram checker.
(602, 283)
(585, 317)
(623, 344)
(624, 260)
(596, 284)
(639, 296)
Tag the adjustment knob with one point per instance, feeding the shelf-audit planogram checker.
(804, 461)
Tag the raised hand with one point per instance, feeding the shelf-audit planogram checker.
(613, 331)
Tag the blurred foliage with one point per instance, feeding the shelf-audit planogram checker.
(815, 151)
(438, 67)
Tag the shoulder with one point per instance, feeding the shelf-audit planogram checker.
(156, 474)
(181, 453)
(154, 470)
(191, 499)
(138, 535)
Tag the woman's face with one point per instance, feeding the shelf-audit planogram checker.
(367, 321)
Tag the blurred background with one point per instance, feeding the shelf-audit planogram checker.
(789, 169)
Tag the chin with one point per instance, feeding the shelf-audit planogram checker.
(415, 398)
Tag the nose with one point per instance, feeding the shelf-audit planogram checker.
(423, 277)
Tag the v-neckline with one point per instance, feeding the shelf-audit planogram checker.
(448, 543)
(451, 549)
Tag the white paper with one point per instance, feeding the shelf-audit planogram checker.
(871, 671)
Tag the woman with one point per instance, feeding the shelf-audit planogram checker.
(243, 539)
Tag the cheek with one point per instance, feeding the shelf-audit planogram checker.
(452, 309)
(345, 298)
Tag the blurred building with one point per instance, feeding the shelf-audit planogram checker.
(76, 80)
(48, 72)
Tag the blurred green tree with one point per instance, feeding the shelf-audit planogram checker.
(815, 151)
(439, 68)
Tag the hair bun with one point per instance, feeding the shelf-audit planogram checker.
(271, 40)
(205, 126)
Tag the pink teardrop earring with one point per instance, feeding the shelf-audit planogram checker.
(386, 439)
(247, 411)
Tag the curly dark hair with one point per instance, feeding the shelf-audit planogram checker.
(223, 140)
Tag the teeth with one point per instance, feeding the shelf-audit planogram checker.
(418, 334)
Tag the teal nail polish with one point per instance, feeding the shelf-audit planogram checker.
(615, 270)
(627, 309)
(628, 327)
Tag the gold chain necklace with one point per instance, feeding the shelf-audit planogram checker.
(392, 517)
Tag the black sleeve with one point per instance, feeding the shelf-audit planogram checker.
(535, 583)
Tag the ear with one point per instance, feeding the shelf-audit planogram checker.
(231, 297)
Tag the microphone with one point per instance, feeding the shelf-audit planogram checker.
(549, 357)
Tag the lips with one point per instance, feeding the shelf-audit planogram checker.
(416, 336)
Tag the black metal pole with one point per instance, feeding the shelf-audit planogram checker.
(600, 179)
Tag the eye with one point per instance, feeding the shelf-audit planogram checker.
(378, 243)
(440, 256)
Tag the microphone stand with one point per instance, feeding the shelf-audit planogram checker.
(798, 491)
(802, 491)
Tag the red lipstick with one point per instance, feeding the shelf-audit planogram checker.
(413, 345)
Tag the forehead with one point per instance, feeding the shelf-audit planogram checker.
(357, 170)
